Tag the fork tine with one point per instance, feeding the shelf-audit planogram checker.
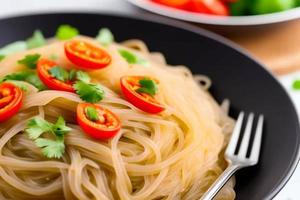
(235, 135)
(246, 137)
(257, 140)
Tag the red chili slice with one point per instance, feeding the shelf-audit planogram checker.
(106, 127)
(86, 55)
(43, 67)
(143, 101)
(10, 100)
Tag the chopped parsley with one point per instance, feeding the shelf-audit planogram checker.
(89, 92)
(51, 148)
(92, 113)
(82, 76)
(65, 32)
(27, 76)
(132, 58)
(148, 86)
(59, 73)
(36, 40)
(105, 37)
(30, 60)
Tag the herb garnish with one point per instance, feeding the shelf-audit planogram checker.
(30, 60)
(92, 113)
(148, 86)
(51, 148)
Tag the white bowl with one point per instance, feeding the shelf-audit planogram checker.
(218, 20)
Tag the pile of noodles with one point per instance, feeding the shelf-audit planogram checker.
(174, 155)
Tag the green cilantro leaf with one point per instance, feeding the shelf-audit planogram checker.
(89, 92)
(132, 58)
(296, 85)
(83, 76)
(35, 81)
(30, 60)
(128, 56)
(27, 76)
(148, 86)
(2, 57)
(59, 73)
(65, 32)
(14, 47)
(51, 148)
(64, 75)
(72, 75)
(105, 37)
(36, 127)
(18, 76)
(92, 113)
(60, 128)
(36, 40)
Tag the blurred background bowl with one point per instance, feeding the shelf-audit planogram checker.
(218, 20)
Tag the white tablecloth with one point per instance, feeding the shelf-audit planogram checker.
(17, 7)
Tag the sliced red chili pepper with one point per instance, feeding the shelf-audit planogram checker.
(43, 67)
(105, 127)
(143, 101)
(86, 55)
(10, 100)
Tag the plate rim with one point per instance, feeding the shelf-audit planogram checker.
(200, 31)
(251, 20)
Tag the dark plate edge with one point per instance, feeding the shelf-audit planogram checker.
(192, 28)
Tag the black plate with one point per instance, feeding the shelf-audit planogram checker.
(235, 75)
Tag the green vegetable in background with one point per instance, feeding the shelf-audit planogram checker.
(240, 7)
(296, 85)
(270, 6)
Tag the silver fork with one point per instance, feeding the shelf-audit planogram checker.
(239, 160)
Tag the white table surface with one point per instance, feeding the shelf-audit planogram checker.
(17, 7)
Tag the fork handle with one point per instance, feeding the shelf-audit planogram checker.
(220, 182)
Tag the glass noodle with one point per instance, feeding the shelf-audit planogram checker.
(173, 155)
